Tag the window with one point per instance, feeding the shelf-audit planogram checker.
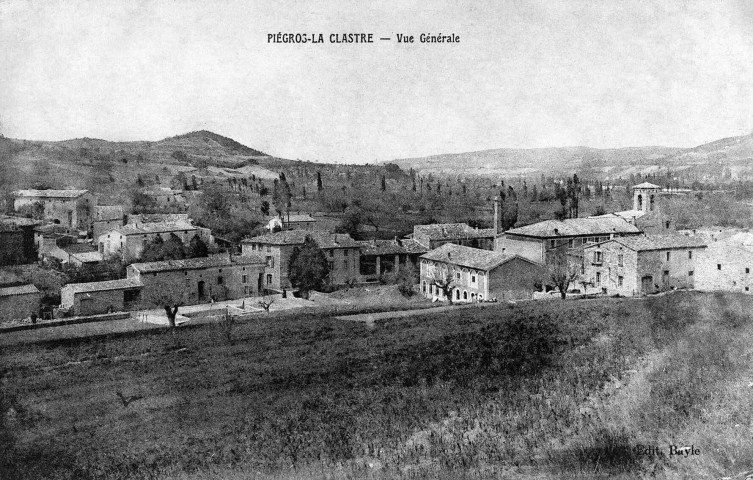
(598, 278)
(245, 290)
(269, 249)
(620, 260)
(423, 287)
(747, 289)
(747, 269)
(220, 280)
(690, 254)
(690, 273)
(331, 253)
(269, 279)
(345, 252)
(552, 244)
(597, 258)
(271, 262)
(457, 275)
(465, 295)
(619, 281)
(666, 273)
(244, 279)
(570, 243)
(718, 266)
(457, 294)
(473, 278)
(667, 256)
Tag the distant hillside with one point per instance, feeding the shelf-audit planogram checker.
(610, 162)
(110, 168)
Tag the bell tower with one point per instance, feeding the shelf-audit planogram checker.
(644, 196)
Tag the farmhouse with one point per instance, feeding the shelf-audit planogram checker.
(17, 240)
(129, 241)
(188, 282)
(436, 235)
(72, 208)
(106, 218)
(542, 242)
(478, 274)
(642, 265)
(726, 266)
(381, 257)
(18, 302)
(198, 280)
(341, 251)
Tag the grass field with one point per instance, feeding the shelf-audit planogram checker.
(534, 390)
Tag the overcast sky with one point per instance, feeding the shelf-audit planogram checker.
(525, 74)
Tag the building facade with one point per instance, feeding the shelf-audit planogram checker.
(726, 266)
(130, 241)
(19, 302)
(478, 274)
(72, 208)
(341, 251)
(633, 266)
(385, 257)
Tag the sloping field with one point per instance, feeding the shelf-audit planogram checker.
(533, 390)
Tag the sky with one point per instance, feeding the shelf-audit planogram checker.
(525, 74)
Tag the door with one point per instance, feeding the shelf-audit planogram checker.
(201, 290)
(647, 284)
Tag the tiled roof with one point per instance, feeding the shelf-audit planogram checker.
(18, 290)
(574, 227)
(296, 218)
(197, 263)
(88, 257)
(625, 214)
(440, 231)
(297, 237)
(145, 228)
(646, 185)
(391, 247)
(643, 243)
(120, 284)
(469, 257)
(50, 193)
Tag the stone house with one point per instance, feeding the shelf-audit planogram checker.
(18, 302)
(72, 208)
(436, 235)
(542, 242)
(106, 218)
(188, 282)
(129, 241)
(341, 251)
(94, 298)
(726, 266)
(166, 197)
(198, 280)
(632, 266)
(478, 274)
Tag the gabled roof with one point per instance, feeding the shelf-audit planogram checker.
(440, 231)
(576, 227)
(470, 257)
(642, 243)
(197, 263)
(297, 237)
(391, 247)
(18, 290)
(50, 193)
(646, 185)
(120, 284)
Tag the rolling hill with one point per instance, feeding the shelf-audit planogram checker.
(732, 151)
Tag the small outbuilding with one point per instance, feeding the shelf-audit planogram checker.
(19, 301)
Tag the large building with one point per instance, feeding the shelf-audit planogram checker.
(436, 235)
(185, 282)
(478, 274)
(72, 208)
(17, 244)
(642, 265)
(341, 251)
(726, 266)
(384, 257)
(541, 242)
(131, 240)
(106, 218)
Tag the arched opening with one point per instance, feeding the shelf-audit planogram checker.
(465, 295)
(457, 294)
(640, 202)
(651, 203)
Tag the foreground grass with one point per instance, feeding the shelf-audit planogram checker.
(551, 389)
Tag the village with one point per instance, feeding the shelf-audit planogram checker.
(628, 253)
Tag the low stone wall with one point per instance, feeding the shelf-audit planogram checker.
(68, 321)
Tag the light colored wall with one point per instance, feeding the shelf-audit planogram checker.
(514, 279)
(732, 277)
(531, 249)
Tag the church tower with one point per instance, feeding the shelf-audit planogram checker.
(644, 197)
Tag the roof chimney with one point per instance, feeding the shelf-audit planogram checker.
(496, 215)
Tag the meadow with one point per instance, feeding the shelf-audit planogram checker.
(559, 389)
